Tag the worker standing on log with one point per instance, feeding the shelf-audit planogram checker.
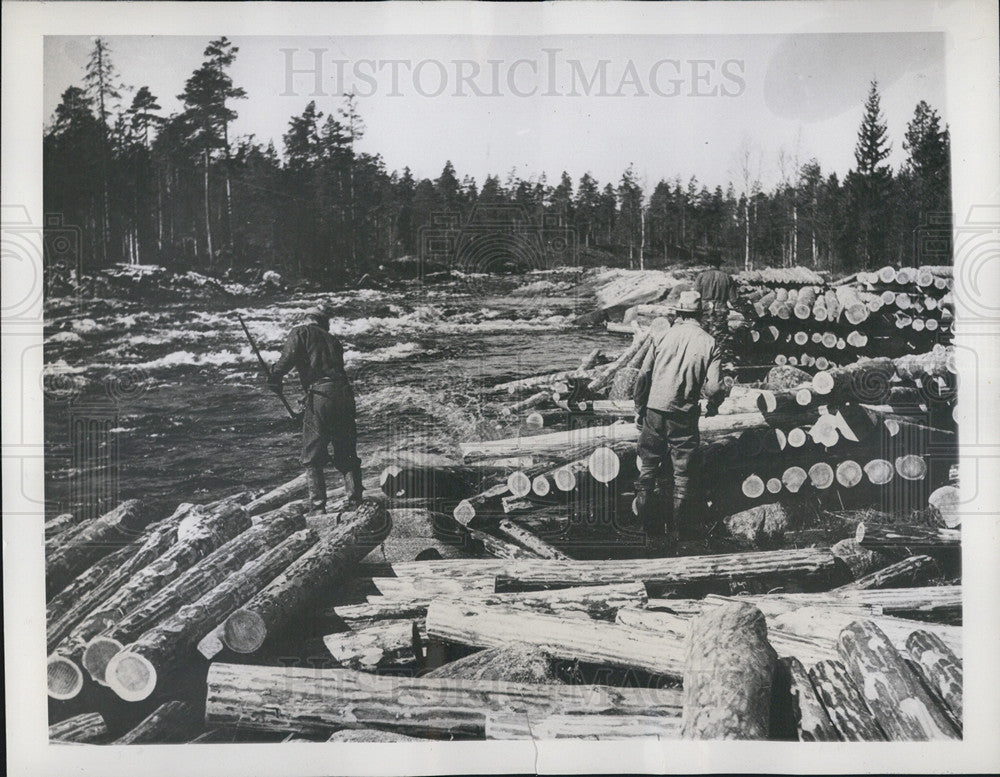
(685, 365)
(329, 410)
(718, 293)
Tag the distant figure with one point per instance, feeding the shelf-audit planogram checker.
(328, 415)
(718, 291)
(685, 365)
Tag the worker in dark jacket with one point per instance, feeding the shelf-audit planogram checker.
(684, 366)
(329, 410)
(718, 292)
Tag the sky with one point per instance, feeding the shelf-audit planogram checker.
(668, 105)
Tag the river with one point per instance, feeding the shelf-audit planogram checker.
(163, 401)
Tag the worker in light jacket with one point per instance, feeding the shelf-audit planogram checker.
(329, 411)
(684, 366)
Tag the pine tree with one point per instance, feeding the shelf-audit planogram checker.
(870, 184)
(104, 88)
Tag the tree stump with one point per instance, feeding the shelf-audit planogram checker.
(728, 675)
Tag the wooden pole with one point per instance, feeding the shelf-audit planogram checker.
(88, 727)
(843, 703)
(941, 670)
(171, 723)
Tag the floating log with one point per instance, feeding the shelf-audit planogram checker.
(92, 542)
(900, 536)
(307, 578)
(910, 570)
(812, 722)
(507, 663)
(134, 672)
(171, 723)
(535, 544)
(218, 573)
(729, 671)
(508, 726)
(903, 709)
(399, 643)
(310, 699)
(86, 728)
(476, 625)
(941, 670)
(843, 703)
(599, 602)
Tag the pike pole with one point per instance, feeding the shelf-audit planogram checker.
(265, 368)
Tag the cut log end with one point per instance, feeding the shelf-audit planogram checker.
(821, 475)
(822, 383)
(911, 467)
(604, 465)
(464, 512)
(131, 676)
(753, 487)
(879, 471)
(565, 479)
(519, 484)
(64, 678)
(244, 631)
(540, 486)
(773, 485)
(97, 656)
(793, 478)
(849, 473)
(796, 437)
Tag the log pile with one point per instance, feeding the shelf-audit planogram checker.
(533, 606)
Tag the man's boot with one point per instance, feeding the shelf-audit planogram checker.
(317, 490)
(353, 488)
(648, 511)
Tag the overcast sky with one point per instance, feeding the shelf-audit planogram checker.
(682, 105)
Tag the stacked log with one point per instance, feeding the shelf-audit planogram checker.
(88, 727)
(307, 699)
(328, 561)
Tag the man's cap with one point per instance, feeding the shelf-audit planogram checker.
(688, 301)
(321, 310)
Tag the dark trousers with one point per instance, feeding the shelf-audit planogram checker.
(667, 445)
(328, 420)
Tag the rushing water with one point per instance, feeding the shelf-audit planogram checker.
(163, 401)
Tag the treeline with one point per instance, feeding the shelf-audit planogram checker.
(177, 190)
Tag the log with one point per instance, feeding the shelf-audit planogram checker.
(295, 488)
(793, 479)
(812, 722)
(904, 710)
(867, 380)
(910, 570)
(596, 642)
(372, 735)
(507, 663)
(849, 473)
(599, 602)
(160, 557)
(308, 577)
(135, 672)
(760, 525)
(92, 542)
(499, 548)
(171, 723)
(879, 472)
(821, 475)
(507, 726)
(535, 544)
(218, 574)
(86, 728)
(399, 643)
(63, 523)
(946, 501)
(843, 703)
(941, 671)
(752, 487)
(536, 399)
(901, 536)
(805, 566)
(310, 699)
(729, 671)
